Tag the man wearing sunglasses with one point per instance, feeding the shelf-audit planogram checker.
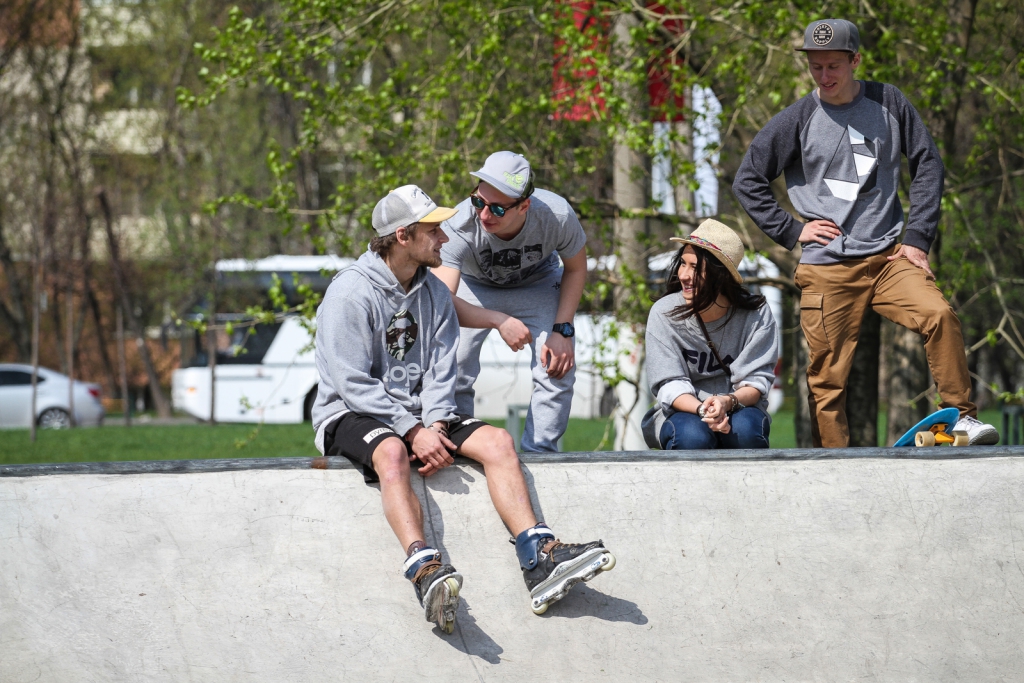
(501, 266)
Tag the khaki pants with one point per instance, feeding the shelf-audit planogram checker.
(832, 305)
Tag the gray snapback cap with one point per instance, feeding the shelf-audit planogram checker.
(831, 34)
(506, 172)
(403, 207)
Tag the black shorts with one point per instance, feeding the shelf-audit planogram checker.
(357, 436)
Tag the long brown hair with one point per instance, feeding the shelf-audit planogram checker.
(710, 278)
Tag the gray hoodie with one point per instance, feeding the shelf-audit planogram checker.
(385, 353)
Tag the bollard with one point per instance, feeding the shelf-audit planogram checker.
(1013, 423)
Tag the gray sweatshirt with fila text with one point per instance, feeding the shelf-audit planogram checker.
(385, 353)
(842, 163)
(679, 360)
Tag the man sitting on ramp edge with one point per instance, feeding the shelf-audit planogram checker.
(386, 343)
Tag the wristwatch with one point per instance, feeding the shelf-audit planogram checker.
(564, 329)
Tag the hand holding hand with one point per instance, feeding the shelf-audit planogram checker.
(432, 447)
(716, 414)
(557, 355)
(820, 231)
(919, 257)
(515, 333)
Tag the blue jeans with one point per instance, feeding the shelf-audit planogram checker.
(686, 431)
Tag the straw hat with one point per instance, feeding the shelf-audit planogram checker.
(720, 241)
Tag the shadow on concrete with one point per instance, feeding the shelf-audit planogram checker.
(584, 601)
(460, 484)
(531, 486)
(469, 638)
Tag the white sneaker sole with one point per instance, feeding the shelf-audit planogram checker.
(568, 574)
(985, 437)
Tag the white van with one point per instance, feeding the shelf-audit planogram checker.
(274, 378)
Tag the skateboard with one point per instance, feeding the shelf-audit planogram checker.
(935, 429)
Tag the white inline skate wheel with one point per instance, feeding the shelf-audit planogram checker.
(539, 609)
(609, 563)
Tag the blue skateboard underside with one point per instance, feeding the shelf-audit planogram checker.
(949, 416)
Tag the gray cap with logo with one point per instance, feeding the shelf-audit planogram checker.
(508, 173)
(831, 34)
(403, 207)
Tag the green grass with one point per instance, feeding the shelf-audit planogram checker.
(197, 441)
(151, 442)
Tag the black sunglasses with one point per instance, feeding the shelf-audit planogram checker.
(497, 209)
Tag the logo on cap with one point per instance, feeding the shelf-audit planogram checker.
(822, 34)
(515, 180)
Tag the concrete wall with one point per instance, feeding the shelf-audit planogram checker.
(814, 570)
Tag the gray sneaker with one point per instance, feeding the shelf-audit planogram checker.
(980, 433)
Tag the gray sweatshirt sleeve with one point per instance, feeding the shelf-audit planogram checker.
(773, 149)
(345, 333)
(755, 364)
(926, 171)
(438, 389)
(667, 373)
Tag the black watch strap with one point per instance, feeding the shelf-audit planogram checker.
(564, 329)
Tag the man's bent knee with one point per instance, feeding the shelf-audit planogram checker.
(391, 460)
(491, 445)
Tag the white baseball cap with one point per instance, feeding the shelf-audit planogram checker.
(403, 207)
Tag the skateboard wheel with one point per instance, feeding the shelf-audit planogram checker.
(961, 438)
(924, 439)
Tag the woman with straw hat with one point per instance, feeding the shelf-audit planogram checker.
(711, 350)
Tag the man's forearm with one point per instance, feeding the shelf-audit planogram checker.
(569, 294)
(476, 317)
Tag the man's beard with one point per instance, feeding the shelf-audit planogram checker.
(431, 261)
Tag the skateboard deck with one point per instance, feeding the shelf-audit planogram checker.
(935, 429)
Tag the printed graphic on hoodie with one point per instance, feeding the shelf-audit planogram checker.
(854, 166)
(401, 334)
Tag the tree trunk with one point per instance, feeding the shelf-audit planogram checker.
(71, 352)
(12, 313)
(163, 407)
(108, 367)
(630, 192)
(862, 386)
(802, 410)
(37, 277)
(122, 366)
(908, 378)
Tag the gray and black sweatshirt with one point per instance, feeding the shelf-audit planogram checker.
(383, 352)
(842, 163)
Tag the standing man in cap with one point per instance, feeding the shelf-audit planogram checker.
(386, 336)
(840, 149)
(501, 268)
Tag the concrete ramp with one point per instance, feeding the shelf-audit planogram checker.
(779, 570)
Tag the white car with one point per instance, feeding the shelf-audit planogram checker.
(52, 409)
